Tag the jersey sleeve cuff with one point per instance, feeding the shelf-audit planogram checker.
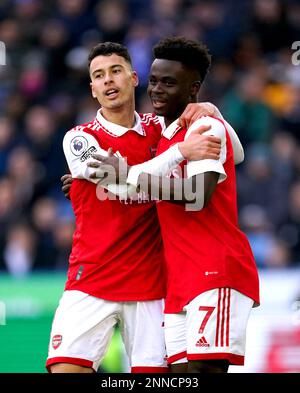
(159, 166)
(196, 167)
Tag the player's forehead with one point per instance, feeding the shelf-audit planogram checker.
(103, 62)
(165, 68)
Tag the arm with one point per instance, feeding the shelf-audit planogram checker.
(66, 184)
(194, 192)
(202, 176)
(238, 151)
(194, 147)
(74, 152)
(194, 112)
(79, 147)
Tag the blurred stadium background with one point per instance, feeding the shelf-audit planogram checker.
(44, 91)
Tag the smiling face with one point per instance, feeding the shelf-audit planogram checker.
(112, 81)
(171, 87)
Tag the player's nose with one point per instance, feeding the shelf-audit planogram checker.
(108, 78)
(157, 88)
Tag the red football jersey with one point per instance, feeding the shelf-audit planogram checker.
(206, 249)
(117, 247)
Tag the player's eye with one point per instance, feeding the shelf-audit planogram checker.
(169, 83)
(152, 82)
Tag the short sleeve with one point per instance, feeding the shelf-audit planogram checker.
(78, 148)
(209, 165)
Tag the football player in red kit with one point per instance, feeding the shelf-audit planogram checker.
(212, 276)
(116, 269)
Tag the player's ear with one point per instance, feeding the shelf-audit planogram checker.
(195, 87)
(135, 79)
(93, 92)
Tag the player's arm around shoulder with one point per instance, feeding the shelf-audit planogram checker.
(78, 148)
(207, 173)
(195, 111)
(197, 188)
(209, 165)
(238, 150)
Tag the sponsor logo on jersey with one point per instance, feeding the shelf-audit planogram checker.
(208, 273)
(202, 342)
(78, 145)
(56, 341)
(88, 153)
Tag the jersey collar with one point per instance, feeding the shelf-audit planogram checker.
(118, 130)
(170, 131)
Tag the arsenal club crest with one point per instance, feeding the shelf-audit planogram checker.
(56, 341)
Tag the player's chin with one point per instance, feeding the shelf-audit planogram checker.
(160, 111)
(114, 104)
(160, 107)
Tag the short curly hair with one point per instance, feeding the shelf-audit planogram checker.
(107, 49)
(192, 54)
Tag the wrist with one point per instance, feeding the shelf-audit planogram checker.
(182, 149)
(122, 174)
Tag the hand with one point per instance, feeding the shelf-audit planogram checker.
(67, 182)
(194, 111)
(110, 169)
(200, 147)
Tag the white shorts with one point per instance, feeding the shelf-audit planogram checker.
(212, 326)
(83, 326)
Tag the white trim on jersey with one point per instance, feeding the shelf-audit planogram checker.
(171, 130)
(161, 120)
(209, 165)
(117, 130)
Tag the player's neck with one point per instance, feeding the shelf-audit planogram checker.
(170, 120)
(124, 117)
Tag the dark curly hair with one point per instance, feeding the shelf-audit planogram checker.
(192, 54)
(107, 49)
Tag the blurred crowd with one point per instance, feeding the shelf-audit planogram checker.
(44, 91)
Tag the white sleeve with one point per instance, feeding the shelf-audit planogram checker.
(209, 165)
(238, 151)
(159, 166)
(78, 148)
